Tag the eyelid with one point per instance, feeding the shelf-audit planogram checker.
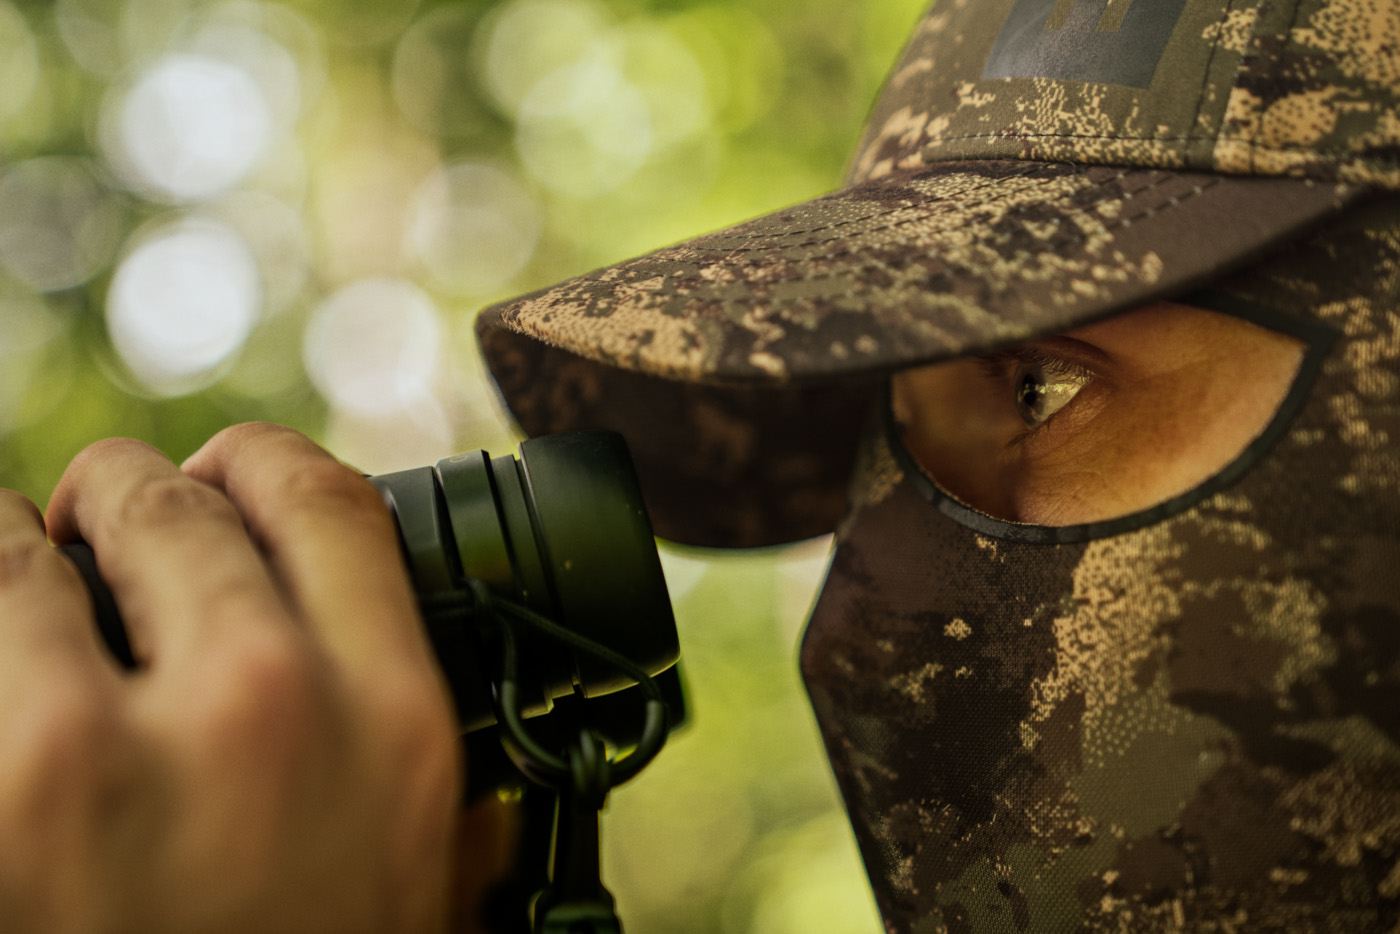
(1058, 353)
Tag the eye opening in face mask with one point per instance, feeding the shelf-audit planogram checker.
(1089, 406)
(1041, 382)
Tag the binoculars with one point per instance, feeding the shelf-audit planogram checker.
(559, 534)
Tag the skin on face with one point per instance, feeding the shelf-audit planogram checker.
(1098, 422)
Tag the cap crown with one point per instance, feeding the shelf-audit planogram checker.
(1307, 88)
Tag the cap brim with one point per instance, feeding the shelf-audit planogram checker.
(906, 270)
(915, 267)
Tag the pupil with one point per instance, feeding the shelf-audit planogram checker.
(1031, 391)
(1029, 396)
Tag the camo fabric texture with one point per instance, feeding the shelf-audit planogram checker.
(922, 265)
(930, 252)
(743, 466)
(1191, 726)
(1260, 87)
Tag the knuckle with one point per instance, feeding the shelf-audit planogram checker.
(263, 687)
(235, 436)
(13, 500)
(107, 449)
(326, 486)
(165, 501)
(20, 555)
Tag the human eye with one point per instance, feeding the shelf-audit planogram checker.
(1036, 383)
(1113, 418)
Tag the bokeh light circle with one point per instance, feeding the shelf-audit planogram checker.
(287, 30)
(374, 347)
(474, 227)
(59, 226)
(251, 52)
(19, 62)
(276, 234)
(668, 76)
(584, 129)
(399, 441)
(190, 127)
(182, 304)
(740, 58)
(106, 38)
(526, 40)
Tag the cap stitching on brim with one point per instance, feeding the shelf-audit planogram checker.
(1119, 224)
(887, 182)
(994, 183)
(1218, 138)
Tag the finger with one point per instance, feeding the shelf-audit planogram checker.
(45, 615)
(329, 536)
(174, 551)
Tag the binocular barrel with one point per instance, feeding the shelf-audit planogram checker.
(561, 530)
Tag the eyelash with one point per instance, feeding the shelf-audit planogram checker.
(997, 364)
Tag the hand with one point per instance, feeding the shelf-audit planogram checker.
(287, 757)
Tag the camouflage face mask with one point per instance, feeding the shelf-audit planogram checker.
(1188, 718)
(1183, 720)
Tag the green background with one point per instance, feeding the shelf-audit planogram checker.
(217, 212)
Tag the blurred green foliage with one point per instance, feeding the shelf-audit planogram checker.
(212, 212)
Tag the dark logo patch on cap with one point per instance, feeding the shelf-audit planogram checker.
(1099, 41)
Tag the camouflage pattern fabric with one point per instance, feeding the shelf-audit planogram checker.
(920, 266)
(1305, 88)
(1030, 165)
(744, 466)
(1190, 726)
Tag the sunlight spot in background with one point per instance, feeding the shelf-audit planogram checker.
(89, 32)
(19, 62)
(58, 225)
(584, 129)
(628, 94)
(362, 200)
(282, 34)
(251, 53)
(474, 227)
(277, 237)
(420, 436)
(373, 349)
(528, 39)
(182, 303)
(105, 38)
(669, 78)
(189, 128)
(740, 58)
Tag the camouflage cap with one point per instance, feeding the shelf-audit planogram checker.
(1031, 165)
